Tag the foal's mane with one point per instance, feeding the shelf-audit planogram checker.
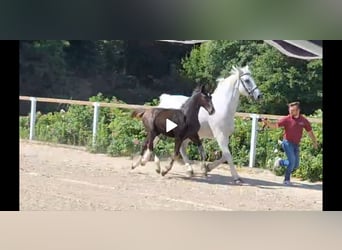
(197, 90)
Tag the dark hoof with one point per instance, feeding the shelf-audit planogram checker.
(239, 181)
(158, 171)
(189, 173)
(205, 170)
(204, 174)
(163, 173)
(206, 167)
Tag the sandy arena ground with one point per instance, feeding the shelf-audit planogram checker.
(58, 177)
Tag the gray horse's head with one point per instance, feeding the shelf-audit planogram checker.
(247, 86)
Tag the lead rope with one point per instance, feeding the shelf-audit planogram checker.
(263, 129)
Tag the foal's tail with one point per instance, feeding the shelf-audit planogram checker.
(138, 113)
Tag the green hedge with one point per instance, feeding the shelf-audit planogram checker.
(120, 135)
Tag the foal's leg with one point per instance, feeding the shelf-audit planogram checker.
(134, 165)
(149, 150)
(176, 156)
(156, 158)
(223, 141)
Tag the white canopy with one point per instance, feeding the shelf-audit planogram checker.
(302, 49)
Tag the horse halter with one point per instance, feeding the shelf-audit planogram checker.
(250, 92)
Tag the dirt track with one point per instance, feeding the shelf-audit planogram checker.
(55, 177)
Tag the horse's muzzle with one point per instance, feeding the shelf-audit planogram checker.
(212, 111)
(259, 97)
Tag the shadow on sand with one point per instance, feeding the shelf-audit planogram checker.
(228, 180)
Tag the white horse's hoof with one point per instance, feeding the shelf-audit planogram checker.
(204, 174)
(158, 170)
(189, 173)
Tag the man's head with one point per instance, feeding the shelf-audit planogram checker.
(294, 109)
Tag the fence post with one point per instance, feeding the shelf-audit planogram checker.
(96, 117)
(33, 117)
(253, 139)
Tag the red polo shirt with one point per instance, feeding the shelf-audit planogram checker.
(294, 127)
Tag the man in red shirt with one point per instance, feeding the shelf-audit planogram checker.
(293, 125)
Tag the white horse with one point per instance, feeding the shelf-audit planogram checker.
(221, 124)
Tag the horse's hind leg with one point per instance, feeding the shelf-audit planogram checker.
(156, 158)
(149, 150)
(146, 157)
(134, 165)
(157, 162)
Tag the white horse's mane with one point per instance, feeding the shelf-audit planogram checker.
(234, 71)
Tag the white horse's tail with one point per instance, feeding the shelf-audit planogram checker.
(171, 101)
(163, 96)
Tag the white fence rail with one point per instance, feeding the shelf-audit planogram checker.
(97, 106)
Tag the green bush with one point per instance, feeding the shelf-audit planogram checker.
(24, 127)
(120, 135)
(71, 127)
(311, 161)
(126, 134)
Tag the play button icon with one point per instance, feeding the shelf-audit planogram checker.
(170, 125)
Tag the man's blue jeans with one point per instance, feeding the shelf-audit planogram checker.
(292, 161)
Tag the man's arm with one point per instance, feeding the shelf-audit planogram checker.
(308, 128)
(270, 124)
(313, 138)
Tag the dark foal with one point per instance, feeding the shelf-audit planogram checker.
(186, 118)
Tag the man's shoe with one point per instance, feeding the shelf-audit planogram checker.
(276, 163)
(287, 183)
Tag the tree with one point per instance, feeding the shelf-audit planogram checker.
(41, 65)
(280, 78)
(215, 59)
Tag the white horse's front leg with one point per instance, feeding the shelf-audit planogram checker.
(226, 156)
(182, 150)
(204, 167)
(233, 171)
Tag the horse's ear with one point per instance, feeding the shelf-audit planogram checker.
(198, 89)
(202, 88)
(240, 71)
(237, 69)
